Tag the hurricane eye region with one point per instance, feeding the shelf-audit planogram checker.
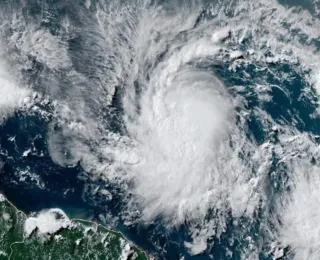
(195, 121)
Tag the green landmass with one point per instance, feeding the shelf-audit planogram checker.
(81, 240)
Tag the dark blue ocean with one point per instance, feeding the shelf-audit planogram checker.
(70, 188)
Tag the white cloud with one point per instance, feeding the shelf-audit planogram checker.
(300, 214)
(11, 95)
(47, 222)
(184, 150)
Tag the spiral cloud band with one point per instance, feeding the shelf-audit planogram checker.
(196, 116)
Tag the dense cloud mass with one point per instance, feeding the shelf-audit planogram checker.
(191, 109)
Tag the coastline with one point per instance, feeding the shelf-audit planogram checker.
(3, 198)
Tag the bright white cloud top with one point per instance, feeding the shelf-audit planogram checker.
(181, 151)
(11, 95)
(47, 222)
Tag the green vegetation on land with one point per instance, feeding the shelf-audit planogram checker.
(81, 240)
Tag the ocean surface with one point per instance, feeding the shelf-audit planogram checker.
(190, 126)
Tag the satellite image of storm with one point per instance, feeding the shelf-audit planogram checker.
(160, 129)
